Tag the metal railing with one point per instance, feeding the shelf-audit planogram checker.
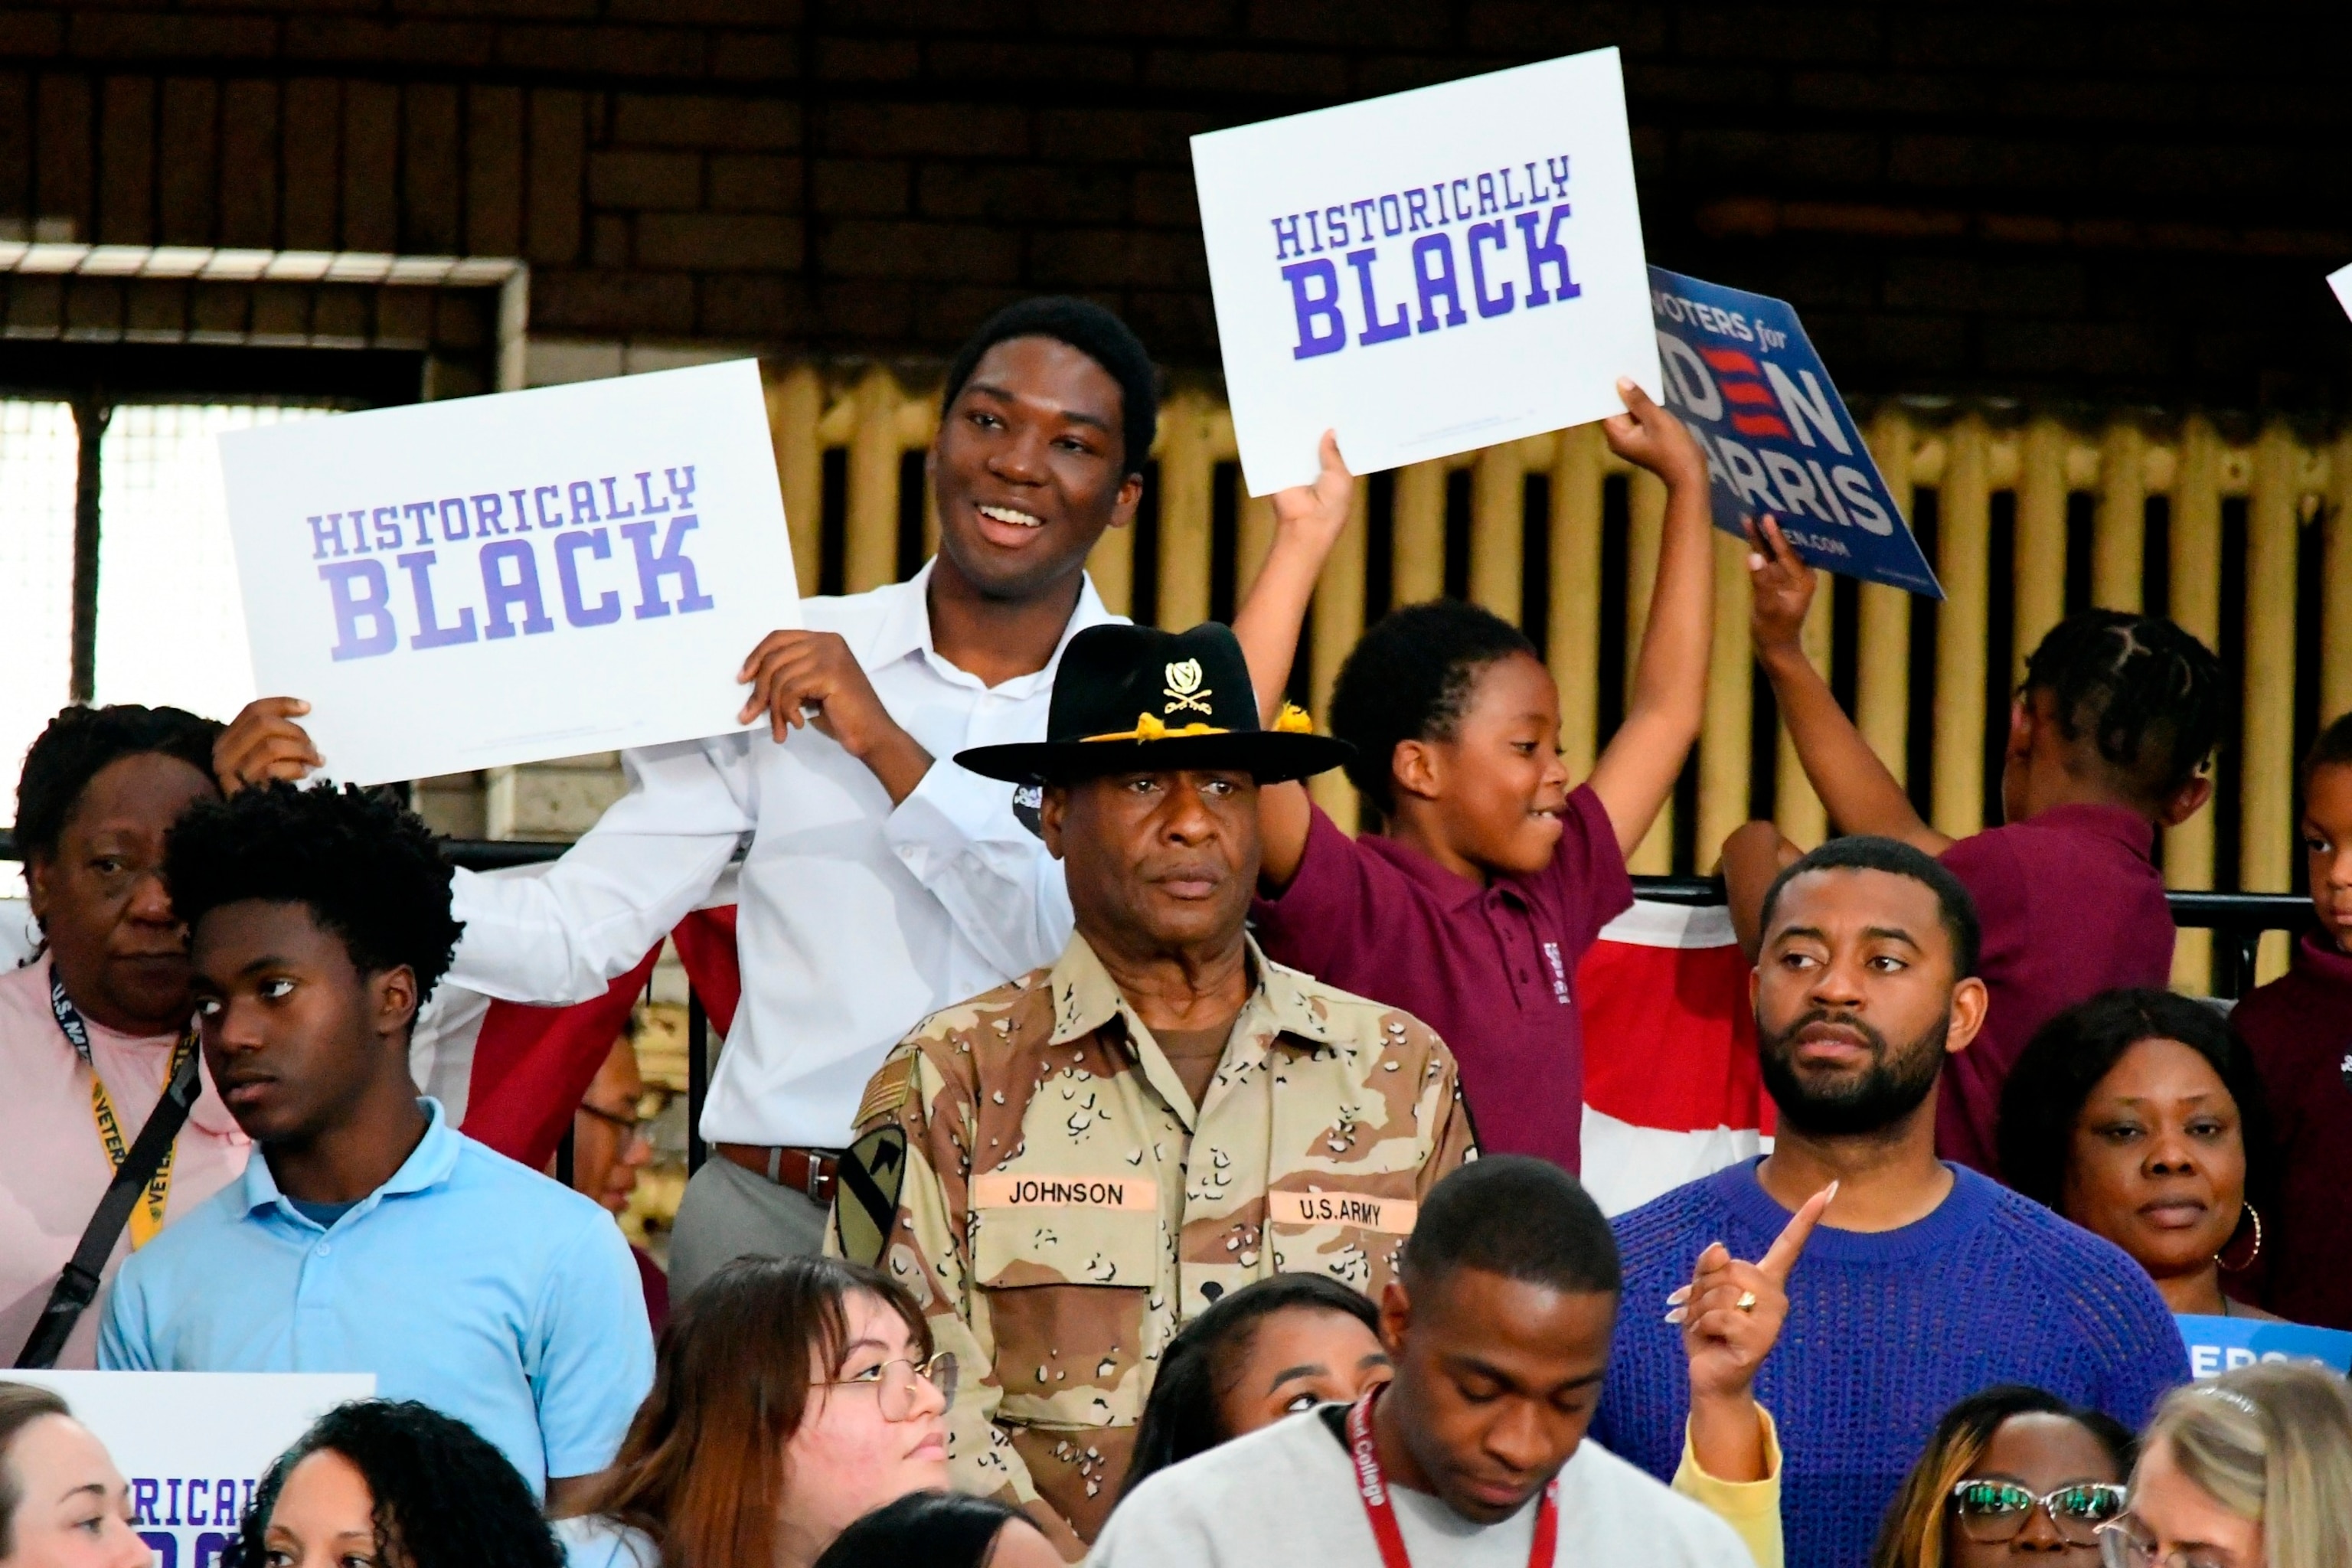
(2242, 536)
(2240, 918)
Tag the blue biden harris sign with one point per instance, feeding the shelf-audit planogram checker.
(1740, 372)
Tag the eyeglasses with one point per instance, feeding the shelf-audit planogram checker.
(640, 1127)
(2123, 1544)
(894, 1382)
(1993, 1511)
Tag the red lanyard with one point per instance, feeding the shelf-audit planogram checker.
(1373, 1489)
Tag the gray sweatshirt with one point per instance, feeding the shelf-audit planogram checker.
(1286, 1495)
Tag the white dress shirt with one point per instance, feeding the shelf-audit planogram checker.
(855, 919)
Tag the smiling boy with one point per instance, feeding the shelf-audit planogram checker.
(878, 882)
(1490, 872)
(370, 1235)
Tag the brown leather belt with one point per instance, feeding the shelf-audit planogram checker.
(808, 1170)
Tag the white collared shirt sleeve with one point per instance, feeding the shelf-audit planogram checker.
(958, 835)
(656, 855)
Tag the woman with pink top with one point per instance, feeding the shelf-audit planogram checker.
(94, 1030)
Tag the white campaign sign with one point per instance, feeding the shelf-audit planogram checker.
(193, 1445)
(1429, 272)
(504, 579)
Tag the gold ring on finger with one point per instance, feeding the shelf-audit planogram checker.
(1747, 1302)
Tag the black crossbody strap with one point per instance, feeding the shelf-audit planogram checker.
(77, 1287)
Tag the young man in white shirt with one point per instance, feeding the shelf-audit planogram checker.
(879, 881)
(1474, 1455)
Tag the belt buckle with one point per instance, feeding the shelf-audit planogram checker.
(815, 1177)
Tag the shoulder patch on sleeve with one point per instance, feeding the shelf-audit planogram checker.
(871, 1172)
(888, 1088)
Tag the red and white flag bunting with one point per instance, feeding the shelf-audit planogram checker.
(1670, 1080)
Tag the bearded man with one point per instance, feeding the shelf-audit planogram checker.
(1925, 1283)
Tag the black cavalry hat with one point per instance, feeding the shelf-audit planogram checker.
(1136, 697)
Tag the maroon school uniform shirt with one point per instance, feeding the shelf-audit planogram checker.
(2071, 906)
(1491, 968)
(2299, 1028)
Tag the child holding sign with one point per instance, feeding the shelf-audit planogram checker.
(2108, 740)
(1488, 877)
(2299, 1027)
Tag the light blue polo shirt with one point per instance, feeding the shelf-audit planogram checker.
(467, 1281)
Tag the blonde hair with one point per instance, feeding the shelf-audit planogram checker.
(2273, 1444)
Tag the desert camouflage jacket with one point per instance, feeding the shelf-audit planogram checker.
(1065, 1207)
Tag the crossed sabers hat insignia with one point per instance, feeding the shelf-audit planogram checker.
(1185, 689)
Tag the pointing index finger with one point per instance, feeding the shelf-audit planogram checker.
(1777, 1262)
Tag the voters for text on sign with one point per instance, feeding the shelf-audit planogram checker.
(499, 580)
(1430, 272)
(1743, 376)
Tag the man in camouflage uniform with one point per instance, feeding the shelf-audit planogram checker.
(1063, 1170)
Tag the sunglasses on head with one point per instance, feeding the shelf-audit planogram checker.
(1992, 1511)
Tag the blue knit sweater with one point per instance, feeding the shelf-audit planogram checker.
(1886, 1332)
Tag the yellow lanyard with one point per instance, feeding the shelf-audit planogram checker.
(148, 1217)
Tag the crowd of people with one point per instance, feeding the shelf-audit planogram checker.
(1114, 1156)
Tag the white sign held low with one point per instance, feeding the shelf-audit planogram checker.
(504, 579)
(1429, 272)
(193, 1445)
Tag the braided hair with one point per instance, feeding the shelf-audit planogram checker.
(1410, 678)
(2145, 695)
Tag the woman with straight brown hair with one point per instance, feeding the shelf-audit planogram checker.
(790, 1398)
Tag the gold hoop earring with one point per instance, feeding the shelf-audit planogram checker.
(2255, 1214)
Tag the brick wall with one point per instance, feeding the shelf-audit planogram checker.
(2101, 201)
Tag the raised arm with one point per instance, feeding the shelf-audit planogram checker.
(264, 742)
(1753, 856)
(1635, 774)
(1308, 520)
(1861, 795)
(563, 935)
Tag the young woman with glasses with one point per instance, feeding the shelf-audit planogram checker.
(2010, 1472)
(790, 1398)
(2249, 1470)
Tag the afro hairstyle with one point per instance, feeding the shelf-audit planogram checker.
(367, 868)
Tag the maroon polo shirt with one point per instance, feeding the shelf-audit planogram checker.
(2071, 906)
(2299, 1027)
(1489, 968)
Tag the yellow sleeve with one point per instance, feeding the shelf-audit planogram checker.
(1752, 1509)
